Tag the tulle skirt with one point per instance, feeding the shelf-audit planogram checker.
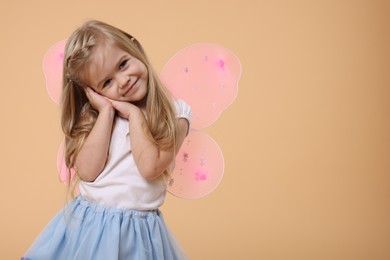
(84, 231)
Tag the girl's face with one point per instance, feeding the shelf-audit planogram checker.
(117, 75)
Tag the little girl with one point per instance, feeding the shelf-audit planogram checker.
(122, 132)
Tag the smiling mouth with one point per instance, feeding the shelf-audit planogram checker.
(130, 88)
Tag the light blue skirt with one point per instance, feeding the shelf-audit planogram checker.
(84, 231)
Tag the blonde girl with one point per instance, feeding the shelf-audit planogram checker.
(122, 132)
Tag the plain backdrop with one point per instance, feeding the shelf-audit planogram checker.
(306, 142)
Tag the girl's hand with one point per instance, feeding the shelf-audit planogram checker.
(97, 101)
(124, 108)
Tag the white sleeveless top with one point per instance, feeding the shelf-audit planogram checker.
(120, 184)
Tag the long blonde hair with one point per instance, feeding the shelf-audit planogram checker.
(78, 116)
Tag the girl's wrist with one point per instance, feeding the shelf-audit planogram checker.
(109, 110)
(135, 112)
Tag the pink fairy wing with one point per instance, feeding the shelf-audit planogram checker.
(206, 76)
(61, 166)
(199, 167)
(52, 68)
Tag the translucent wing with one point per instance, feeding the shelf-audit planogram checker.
(205, 76)
(61, 166)
(199, 167)
(52, 68)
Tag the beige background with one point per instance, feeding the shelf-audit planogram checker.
(306, 143)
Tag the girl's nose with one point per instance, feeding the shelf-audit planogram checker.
(123, 81)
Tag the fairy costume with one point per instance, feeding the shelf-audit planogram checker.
(114, 217)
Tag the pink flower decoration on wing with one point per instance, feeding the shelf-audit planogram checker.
(201, 176)
(206, 76)
(52, 68)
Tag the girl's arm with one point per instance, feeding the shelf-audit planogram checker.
(151, 161)
(92, 156)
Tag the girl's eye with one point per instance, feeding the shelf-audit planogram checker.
(106, 83)
(123, 64)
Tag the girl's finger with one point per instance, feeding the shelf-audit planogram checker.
(88, 92)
